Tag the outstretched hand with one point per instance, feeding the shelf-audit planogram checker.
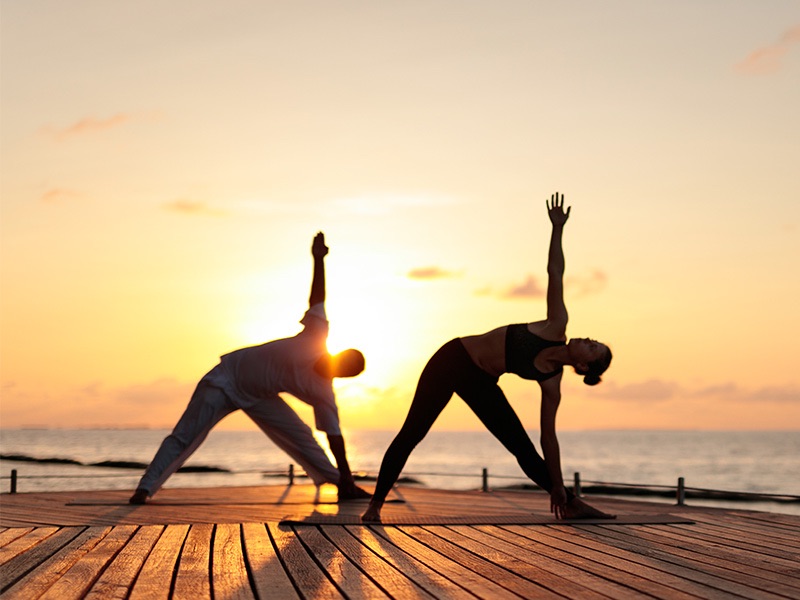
(558, 501)
(555, 209)
(318, 248)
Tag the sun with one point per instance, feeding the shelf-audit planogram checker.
(376, 314)
(377, 328)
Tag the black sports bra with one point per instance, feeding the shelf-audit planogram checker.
(522, 348)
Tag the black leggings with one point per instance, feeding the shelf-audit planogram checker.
(452, 370)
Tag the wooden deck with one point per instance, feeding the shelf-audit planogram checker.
(230, 543)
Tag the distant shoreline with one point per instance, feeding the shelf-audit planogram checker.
(114, 464)
(382, 430)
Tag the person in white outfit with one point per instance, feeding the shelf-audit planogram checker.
(252, 379)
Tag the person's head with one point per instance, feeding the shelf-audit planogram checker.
(590, 358)
(348, 363)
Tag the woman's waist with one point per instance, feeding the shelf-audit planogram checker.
(488, 350)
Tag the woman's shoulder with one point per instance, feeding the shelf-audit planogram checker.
(554, 332)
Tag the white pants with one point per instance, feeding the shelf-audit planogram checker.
(216, 398)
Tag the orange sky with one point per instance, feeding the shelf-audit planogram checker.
(164, 169)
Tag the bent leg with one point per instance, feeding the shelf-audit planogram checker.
(206, 408)
(290, 433)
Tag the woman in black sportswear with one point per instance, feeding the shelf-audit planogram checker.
(471, 366)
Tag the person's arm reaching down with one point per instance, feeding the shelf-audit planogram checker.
(348, 490)
(551, 398)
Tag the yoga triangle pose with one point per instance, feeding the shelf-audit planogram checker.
(471, 366)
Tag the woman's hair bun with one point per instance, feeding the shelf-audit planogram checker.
(591, 379)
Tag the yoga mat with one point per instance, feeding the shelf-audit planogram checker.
(114, 502)
(521, 519)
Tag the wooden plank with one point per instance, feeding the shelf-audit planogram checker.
(488, 562)
(229, 573)
(446, 565)
(24, 542)
(645, 580)
(534, 543)
(21, 564)
(737, 566)
(269, 577)
(725, 573)
(725, 553)
(418, 571)
(302, 568)
(555, 575)
(780, 521)
(9, 535)
(193, 579)
(765, 531)
(155, 578)
(507, 557)
(351, 581)
(76, 581)
(725, 556)
(47, 573)
(390, 580)
(116, 580)
(713, 535)
(662, 567)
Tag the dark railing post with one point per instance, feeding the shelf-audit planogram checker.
(13, 481)
(577, 484)
(681, 492)
(485, 475)
(291, 474)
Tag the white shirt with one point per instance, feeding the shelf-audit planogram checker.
(287, 365)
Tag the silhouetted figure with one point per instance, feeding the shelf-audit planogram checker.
(251, 379)
(471, 366)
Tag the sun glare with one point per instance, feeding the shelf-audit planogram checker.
(371, 315)
(377, 328)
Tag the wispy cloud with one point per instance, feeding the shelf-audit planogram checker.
(658, 390)
(58, 196)
(650, 390)
(592, 283)
(87, 125)
(430, 273)
(530, 288)
(769, 59)
(192, 207)
(731, 391)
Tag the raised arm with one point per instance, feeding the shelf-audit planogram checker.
(318, 250)
(556, 309)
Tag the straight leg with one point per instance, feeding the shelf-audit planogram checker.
(434, 390)
(289, 432)
(207, 407)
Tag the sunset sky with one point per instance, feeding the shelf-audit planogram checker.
(165, 166)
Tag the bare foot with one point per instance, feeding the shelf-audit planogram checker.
(578, 509)
(139, 497)
(353, 493)
(373, 515)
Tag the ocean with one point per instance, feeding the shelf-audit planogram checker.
(737, 461)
